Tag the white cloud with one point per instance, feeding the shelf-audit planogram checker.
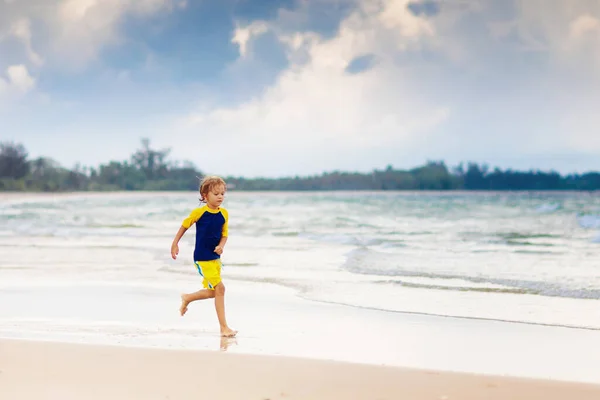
(568, 34)
(584, 32)
(480, 80)
(552, 29)
(17, 81)
(243, 35)
(74, 30)
(583, 25)
(316, 113)
(82, 27)
(21, 29)
(316, 116)
(19, 77)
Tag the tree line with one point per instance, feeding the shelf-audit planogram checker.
(147, 169)
(151, 169)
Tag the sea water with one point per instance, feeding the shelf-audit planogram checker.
(98, 265)
(527, 257)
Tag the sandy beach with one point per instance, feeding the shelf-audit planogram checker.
(46, 370)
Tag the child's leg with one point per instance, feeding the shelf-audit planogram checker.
(220, 307)
(210, 270)
(187, 298)
(204, 268)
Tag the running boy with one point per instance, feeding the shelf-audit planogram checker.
(211, 222)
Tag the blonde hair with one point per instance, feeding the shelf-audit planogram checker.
(209, 183)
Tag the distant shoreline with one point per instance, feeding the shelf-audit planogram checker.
(150, 170)
(24, 193)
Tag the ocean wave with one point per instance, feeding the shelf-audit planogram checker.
(18, 215)
(520, 240)
(516, 320)
(354, 240)
(463, 288)
(538, 252)
(115, 226)
(523, 235)
(240, 264)
(589, 221)
(527, 243)
(311, 291)
(39, 206)
(547, 208)
(369, 262)
(286, 234)
(511, 238)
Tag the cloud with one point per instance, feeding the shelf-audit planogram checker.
(17, 81)
(568, 35)
(584, 24)
(584, 44)
(315, 85)
(402, 81)
(243, 35)
(73, 32)
(553, 29)
(317, 112)
(21, 29)
(83, 27)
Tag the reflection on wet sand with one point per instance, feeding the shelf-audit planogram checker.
(226, 342)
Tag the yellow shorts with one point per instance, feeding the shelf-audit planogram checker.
(210, 271)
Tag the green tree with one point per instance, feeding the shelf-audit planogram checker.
(13, 161)
(151, 162)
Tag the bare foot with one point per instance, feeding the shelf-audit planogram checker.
(228, 332)
(184, 304)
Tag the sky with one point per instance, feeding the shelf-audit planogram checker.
(296, 87)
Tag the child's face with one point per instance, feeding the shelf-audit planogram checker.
(215, 197)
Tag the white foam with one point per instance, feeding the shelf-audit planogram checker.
(273, 321)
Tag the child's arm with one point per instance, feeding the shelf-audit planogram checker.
(185, 225)
(175, 245)
(221, 245)
(224, 233)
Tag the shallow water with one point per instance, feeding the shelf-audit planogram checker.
(525, 257)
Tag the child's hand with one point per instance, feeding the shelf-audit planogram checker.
(219, 250)
(174, 251)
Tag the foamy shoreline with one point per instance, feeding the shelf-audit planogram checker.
(273, 321)
(44, 370)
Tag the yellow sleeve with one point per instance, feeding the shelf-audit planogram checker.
(225, 231)
(192, 218)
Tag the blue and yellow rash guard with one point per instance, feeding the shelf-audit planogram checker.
(211, 226)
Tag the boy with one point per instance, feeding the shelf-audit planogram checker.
(212, 223)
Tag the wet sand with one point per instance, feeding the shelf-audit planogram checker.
(49, 370)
